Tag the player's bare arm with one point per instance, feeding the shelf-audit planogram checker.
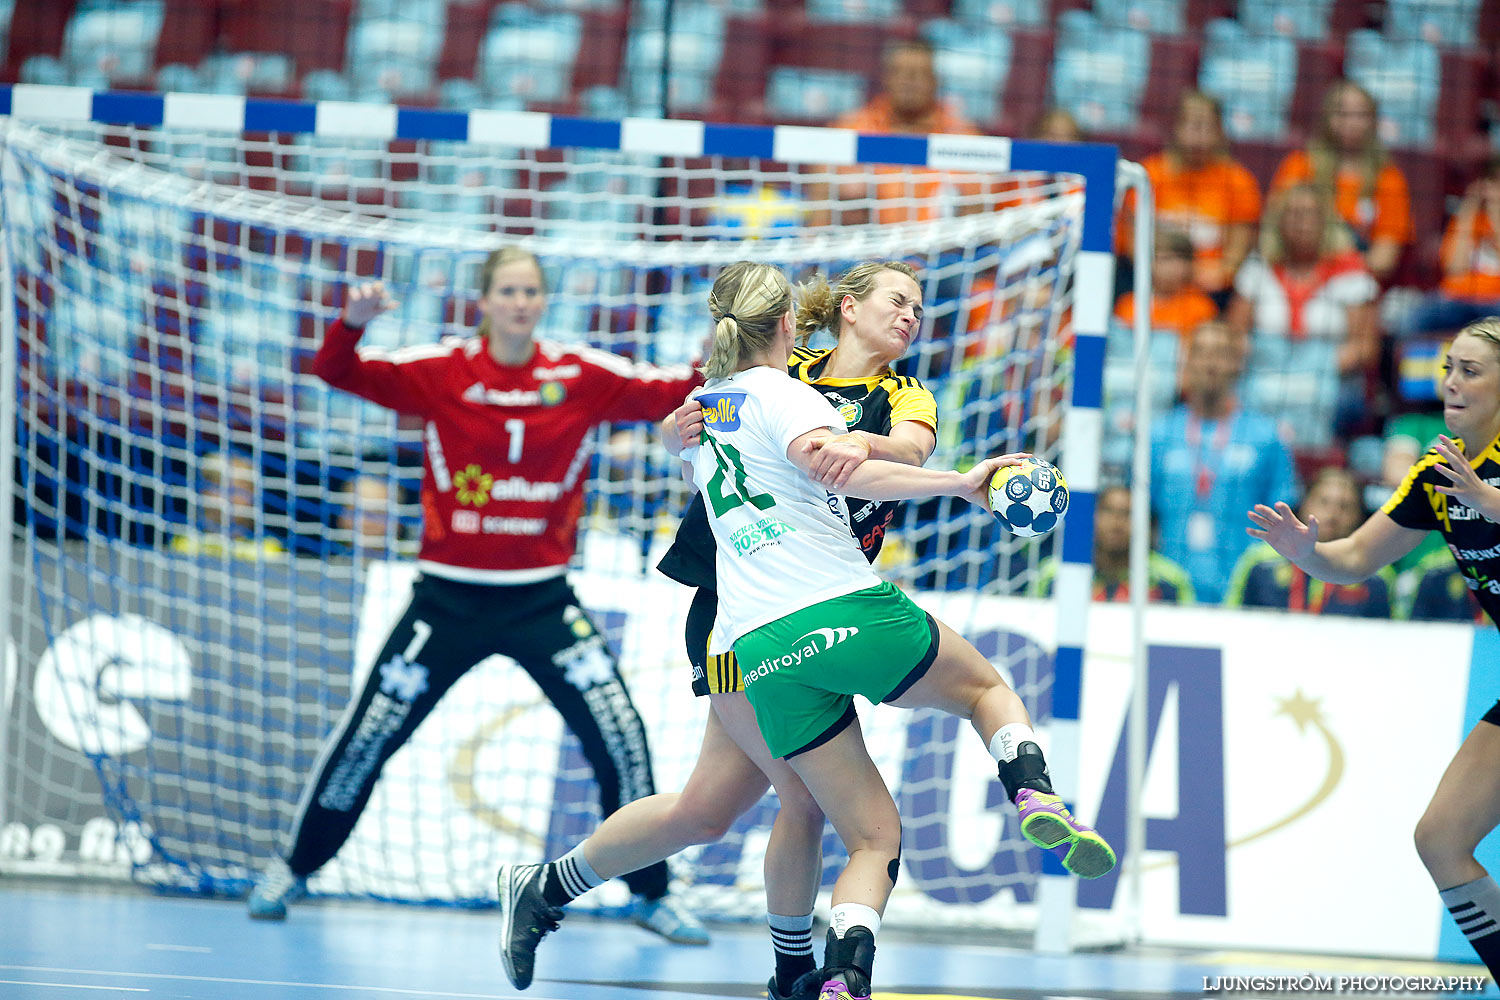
(881, 480)
(836, 456)
(1378, 542)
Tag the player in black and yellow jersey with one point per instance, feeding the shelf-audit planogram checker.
(1453, 490)
(874, 311)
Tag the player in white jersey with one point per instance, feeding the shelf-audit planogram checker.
(812, 626)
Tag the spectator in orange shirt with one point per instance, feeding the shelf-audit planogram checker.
(1203, 191)
(1470, 289)
(908, 104)
(1176, 303)
(1346, 159)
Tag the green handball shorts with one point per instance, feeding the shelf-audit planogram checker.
(802, 671)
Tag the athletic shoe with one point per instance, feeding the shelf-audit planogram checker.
(1046, 822)
(804, 988)
(525, 918)
(666, 917)
(846, 985)
(275, 888)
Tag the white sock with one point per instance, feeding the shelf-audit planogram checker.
(1006, 741)
(847, 915)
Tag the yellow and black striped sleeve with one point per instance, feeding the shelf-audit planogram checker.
(911, 400)
(1415, 504)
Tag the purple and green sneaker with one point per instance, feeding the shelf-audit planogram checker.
(1046, 822)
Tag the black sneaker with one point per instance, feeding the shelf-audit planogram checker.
(525, 918)
(806, 987)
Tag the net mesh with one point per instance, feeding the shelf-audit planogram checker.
(211, 543)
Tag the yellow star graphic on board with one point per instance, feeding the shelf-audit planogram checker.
(1301, 709)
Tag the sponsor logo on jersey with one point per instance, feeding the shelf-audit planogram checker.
(477, 393)
(819, 640)
(472, 486)
(516, 488)
(561, 371)
(552, 393)
(721, 410)
(753, 536)
(466, 522)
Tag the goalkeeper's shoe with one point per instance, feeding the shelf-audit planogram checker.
(276, 887)
(1046, 822)
(525, 918)
(806, 987)
(666, 916)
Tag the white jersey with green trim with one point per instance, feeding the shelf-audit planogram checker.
(783, 542)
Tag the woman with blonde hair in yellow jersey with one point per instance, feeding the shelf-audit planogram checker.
(1448, 490)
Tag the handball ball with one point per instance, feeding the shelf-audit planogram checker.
(1029, 499)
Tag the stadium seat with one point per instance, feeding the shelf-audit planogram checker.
(1174, 69)
(187, 32)
(326, 85)
(311, 32)
(604, 40)
(1099, 72)
(697, 49)
(1319, 65)
(118, 42)
(794, 93)
(34, 27)
(460, 52)
(1251, 75)
(1405, 78)
(50, 71)
(1002, 13)
(1302, 19)
(1459, 112)
(740, 84)
(248, 73)
(853, 11)
(397, 55)
(178, 78)
(530, 54)
(1028, 85)
(854, 48)
(1159, 17)
(1437, 22)
(973, 62)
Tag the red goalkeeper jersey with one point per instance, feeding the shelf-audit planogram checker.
(502, 487)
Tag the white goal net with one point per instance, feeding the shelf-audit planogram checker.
(209, 543)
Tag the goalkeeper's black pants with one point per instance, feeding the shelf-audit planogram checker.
(448, 627)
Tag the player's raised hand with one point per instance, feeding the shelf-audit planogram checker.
(1279, 527)
(977, 480)
(1463, 482)
(834, 458)
(365, 302)
(689, 421)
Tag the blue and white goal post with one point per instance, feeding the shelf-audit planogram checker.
(209, 543)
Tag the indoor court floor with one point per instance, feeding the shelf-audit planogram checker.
(62, 940)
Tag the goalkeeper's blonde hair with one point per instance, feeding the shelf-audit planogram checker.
(747, 303)
(819, 304)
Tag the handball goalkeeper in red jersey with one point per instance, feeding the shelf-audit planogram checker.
(510, 413)
(1450, 490)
